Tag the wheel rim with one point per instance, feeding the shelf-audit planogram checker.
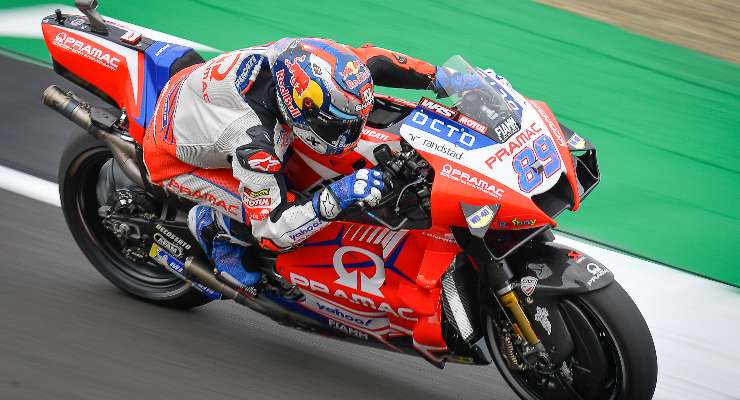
(99, 244)
(522, 382)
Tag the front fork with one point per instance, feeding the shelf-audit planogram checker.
(499, 276)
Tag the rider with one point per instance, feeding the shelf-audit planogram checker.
(221, 133)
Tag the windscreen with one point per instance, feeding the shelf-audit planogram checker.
(479, 100)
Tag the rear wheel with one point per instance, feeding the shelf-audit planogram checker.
(79, 170)
(614, 356)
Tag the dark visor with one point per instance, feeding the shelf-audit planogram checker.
(332, 129)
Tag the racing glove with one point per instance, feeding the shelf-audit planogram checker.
(447, 82)
(363, 186)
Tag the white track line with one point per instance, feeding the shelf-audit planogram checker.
(29, 186)
(694, 321)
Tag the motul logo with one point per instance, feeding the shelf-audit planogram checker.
(87, 50)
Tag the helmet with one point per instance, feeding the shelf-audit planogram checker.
(324, 91)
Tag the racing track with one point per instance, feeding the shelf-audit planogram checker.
(66, 333)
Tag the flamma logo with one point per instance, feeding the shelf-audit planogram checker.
(103, 57)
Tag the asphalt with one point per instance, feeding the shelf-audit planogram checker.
(66, 333)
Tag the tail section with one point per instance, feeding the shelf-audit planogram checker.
(121, 66)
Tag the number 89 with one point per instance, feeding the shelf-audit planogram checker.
(544, 150)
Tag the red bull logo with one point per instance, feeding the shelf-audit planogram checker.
(299, 79)
(355, 73)
(351, 68)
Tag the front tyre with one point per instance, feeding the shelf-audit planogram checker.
(80, 167)
(614, 356)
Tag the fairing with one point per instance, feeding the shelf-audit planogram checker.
(129, 76)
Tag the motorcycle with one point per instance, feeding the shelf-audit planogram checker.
(456, 264)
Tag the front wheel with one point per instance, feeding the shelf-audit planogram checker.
(614, 356)
(79, 171)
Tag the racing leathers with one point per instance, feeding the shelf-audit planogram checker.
(217, 137)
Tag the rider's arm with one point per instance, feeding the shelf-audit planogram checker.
(392, 69)
(279, 218)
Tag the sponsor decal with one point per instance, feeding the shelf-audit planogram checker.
(551, 125)
(348, 330)
(402, 59)
(442, 129)
(355, 73)
(440, 109)
(576, 256)
(328, 204)
(308, 229)
(169, 246)
(528, 284)
(203, 195)
(285, 94)
(213, 71)
(247, 73)
(440, 148)
(171, 236)
(472, 124)
(480, 218)
(104, 57)
(335, 311)
(597, 271)
(543, 317)
(523, 222)
(375, 134)
(506, 129)
(576, 142)
(77, 22)
(349, 279)
(450, 172)
(259, 202)
(163, 258)
(447, 237)
(259, 193)
(265, 162)
(162, 50)
(366, 94)
(401, 312)
(514, 146)
(541, 270)
(258, 213)
(299, 79)
(171, 242)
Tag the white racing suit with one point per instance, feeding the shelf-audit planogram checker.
(217, 137)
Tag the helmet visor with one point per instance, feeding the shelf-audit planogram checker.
(336, 132)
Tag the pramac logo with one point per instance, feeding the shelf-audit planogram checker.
(367, 284)
(88, 50)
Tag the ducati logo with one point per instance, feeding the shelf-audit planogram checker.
(370, 285)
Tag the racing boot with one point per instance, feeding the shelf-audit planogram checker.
(211, 229)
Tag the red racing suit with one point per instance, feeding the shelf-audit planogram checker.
(217, 137)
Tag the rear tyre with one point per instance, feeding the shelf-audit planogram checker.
(614, 357)
(78, 175)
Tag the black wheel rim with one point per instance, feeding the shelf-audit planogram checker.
(148, 278)
(524, 384)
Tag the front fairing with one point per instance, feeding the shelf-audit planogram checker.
(472, 166)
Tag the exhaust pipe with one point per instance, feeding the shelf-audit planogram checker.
(79, 112)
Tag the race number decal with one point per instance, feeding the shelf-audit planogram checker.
(531, 162)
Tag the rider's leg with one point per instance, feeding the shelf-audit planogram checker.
(213, 231)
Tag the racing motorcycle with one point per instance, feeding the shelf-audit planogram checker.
(456, 264)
